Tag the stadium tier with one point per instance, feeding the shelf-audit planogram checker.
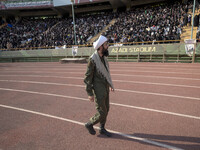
(157, 23)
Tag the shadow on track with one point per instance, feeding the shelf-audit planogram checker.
(182, 142)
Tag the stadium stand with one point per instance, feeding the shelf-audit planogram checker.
(43, 33)
(188, 21)
(146, 23)
(18, 34)
(86, 28)
(162, 22)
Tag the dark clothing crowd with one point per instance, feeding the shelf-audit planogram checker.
(154, 23)
(52, 32)
(157, 22)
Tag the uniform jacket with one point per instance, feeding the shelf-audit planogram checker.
(96, 83)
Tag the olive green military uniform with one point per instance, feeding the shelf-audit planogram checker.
(97, 86)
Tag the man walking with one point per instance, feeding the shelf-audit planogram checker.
(98, 81)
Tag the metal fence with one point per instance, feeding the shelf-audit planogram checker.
(159, 52)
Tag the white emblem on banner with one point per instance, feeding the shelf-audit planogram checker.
(74, 50)
(190, 46)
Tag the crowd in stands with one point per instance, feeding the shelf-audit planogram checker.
(52, 32)
(63, 32)
(150, 23)
(18, 34)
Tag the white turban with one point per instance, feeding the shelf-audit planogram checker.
(102, 39)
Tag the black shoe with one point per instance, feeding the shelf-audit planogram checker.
(90, 128)
(105, 132)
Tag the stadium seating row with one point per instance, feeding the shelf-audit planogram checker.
(150, 23)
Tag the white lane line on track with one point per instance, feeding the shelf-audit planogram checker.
(134, 71)
(121, 90)
(125, 75)
(144, 76)
(112, 64)
(120, 66)
(82, 124)
(79, 78)
(44, 76)
(172, 66)
(158, 94)
(116, 104)
(153, 83)
(130, 69)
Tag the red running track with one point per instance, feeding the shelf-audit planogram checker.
(44, 106)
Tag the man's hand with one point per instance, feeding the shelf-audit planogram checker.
(112, 90)
(91, 98)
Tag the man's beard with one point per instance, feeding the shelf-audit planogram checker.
(105, 52)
